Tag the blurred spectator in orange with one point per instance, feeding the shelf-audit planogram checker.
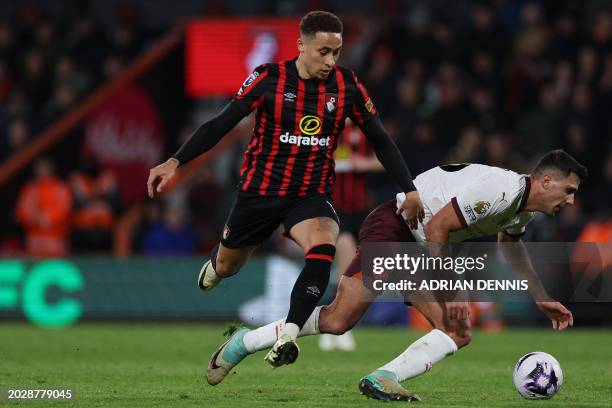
(43, 209)
(96, 199)
(597, 230)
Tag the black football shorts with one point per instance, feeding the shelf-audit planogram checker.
(253, 218)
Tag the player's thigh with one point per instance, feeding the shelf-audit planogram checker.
(351, 302)
(312, 220)
(315, 231)
(251, 221)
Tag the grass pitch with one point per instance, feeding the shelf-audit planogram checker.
(162, 365)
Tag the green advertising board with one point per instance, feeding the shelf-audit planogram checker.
(61, 292)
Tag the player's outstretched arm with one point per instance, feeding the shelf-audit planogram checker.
(436, 232)
(560, 317)
(209, 133)
(390, 157)
(249, 97)
(202, 140)
(441, 224)
(517, 257)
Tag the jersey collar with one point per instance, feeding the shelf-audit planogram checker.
(521, 206)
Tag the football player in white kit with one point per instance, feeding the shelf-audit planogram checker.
(461, 202)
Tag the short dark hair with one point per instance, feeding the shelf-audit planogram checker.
(322, 21)
(561, 161)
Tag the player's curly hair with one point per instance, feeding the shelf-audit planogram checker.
(322, 21)
(561, 161)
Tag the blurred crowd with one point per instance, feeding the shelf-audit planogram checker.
(48, 64)
(501, 87)
(496, 83)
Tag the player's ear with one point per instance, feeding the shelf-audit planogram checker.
(546, 181)
(300, 45)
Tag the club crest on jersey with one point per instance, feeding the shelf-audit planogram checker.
(481, 206)
(331, 101)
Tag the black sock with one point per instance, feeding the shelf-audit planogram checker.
(311, 284)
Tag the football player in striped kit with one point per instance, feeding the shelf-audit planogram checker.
(288, 170)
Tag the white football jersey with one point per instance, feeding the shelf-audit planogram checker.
(487, 199)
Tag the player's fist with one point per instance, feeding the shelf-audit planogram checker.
(458, 310)
(413, 208)
(558, 314)
(160, 175)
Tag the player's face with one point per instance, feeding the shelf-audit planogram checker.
(559, 191)
(319, 53)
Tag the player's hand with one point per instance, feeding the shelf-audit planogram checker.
(558, 314)
(458, 310)
(160, 175)
(413, 208)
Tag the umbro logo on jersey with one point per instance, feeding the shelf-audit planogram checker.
(313, 290)
(290, 97)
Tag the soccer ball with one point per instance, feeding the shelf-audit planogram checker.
(537, 375)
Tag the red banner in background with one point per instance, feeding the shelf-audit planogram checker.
(124, 135)
(220, 54)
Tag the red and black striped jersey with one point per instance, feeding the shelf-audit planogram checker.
(351, 194)
(297, 126)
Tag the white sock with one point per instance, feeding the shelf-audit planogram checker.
(291, 329)
(421, 355)
(264, 337)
